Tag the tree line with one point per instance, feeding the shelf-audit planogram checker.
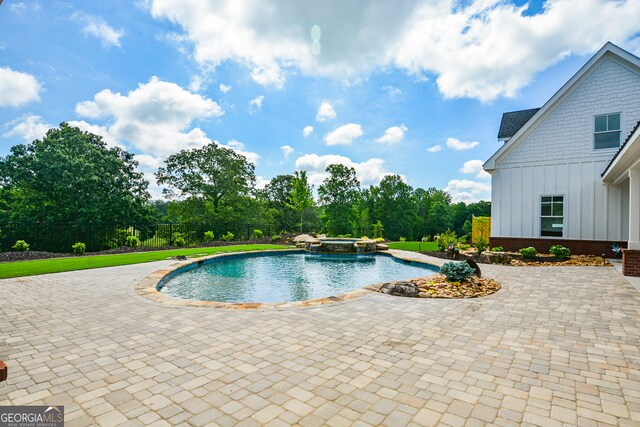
(73, 176)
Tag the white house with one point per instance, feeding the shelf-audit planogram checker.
(569, 172)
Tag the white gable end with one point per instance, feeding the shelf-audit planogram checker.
(567, 131)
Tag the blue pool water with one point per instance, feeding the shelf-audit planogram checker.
(270, 277)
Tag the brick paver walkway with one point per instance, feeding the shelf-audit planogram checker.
(555, 346)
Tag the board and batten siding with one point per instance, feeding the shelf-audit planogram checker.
(593, 210)
(557, 157)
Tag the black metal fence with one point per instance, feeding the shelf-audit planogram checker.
(60, 236)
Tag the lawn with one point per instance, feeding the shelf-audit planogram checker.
(56, 265)
(414, 246)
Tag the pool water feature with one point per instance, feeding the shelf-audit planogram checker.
(335, 245)
(284, 277)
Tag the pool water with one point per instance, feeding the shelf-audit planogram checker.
(287, 277)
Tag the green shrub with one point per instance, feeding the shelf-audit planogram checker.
(378, 229)
(20, 246)
(528, 253)
(131, 241)
(179, 241)
(258, 234)
(497, 249)
(228, 237)
(79, 248)
(344, 236)
(403, 239)
(365, 238)
(481, 245)
(457, 271)
(560, 251)
(378, 239)
(445, 239)
(464, 246)
(208, 236)
(275, 238)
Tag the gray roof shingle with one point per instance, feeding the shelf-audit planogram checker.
(513, 121)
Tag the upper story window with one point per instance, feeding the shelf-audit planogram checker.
(607, 131)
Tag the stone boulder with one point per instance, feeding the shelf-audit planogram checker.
(302, 238)
(400, 289)
(381, 247)
(179, 258)
(494, 258)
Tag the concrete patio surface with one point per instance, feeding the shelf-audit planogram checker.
(556, 346)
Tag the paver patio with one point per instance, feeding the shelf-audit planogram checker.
(555, 346)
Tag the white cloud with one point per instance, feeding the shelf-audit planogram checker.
(308, 130)
(287, 150)
(392, 91)
(344, 135)
(435, 148)
(17, 88)
(196, 84)
(369, 172)
(239, 148)
(325, 112)
(393, 135)
(97, 130)
(22, 8)
(155, 118)
(478, 48)
(261, 182)
(256, 103)
(224, 88)
(97, 27)
(474, 167)
(29, 129)
(464, 190)
(148, 163)
(456, 144)
(492, 49)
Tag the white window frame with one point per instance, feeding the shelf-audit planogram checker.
(593, 125)
(564, 215)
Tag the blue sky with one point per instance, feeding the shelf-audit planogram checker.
(415, 88)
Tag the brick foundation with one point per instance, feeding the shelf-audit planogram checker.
(631, 262)
(578, 247)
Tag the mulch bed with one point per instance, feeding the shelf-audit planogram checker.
(541, 260)
(574, 260)
(35, 255)
(30, 255)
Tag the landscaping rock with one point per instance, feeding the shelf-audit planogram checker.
(401, 289)
(301, 238)
(437, 286)
(179, 258)
(381, 247)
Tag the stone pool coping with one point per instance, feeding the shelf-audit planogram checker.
(148, 287)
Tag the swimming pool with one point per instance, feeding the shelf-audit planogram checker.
(290, 276)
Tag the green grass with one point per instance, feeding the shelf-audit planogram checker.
(56, 265)
(414, 246)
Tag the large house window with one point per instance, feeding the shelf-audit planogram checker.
(607, 131)
(552, 216)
